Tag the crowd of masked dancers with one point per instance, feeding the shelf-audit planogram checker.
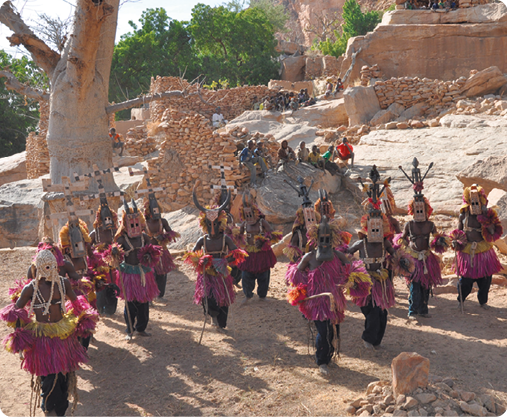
(54, 311)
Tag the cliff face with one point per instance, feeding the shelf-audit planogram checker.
(439, 46)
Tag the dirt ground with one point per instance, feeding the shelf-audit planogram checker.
(263, 364)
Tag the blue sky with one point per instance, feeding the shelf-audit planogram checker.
(29, 9)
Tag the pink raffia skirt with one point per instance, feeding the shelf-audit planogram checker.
(165, 264)
(434, 276)
(258, 262)
(217, 286)
(484, 264)
(382, 294)
(134, 289)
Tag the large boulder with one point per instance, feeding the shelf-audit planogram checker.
(489, 173)
(21, 209)
(484, 82)
(382, 117)
(408, 45)
(279, 202)
(361, 104)
(293, 68)
(186, 223)
(451, 149)
(13, 168)
(417, 110)
(410, 371)
(498, 198)
(324, 114)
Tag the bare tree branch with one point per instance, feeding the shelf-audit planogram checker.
(12, 83)
(42, 54)
(155, 97)
(352, 63)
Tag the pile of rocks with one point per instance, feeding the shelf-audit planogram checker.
(491, 105)
(232, 102)
(353, 133)
(408, 91)
(37, 153)
(138, 143)
(188, 150)
(440, 398)
(367, 73)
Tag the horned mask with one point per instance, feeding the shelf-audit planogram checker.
(133, 220)
(212, 216)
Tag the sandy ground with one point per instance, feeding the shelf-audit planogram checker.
(264, 364)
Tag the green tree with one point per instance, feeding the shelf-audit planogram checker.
(159, 46)
(238, 46)
(275, 12)
(18, 115)
(355, 23)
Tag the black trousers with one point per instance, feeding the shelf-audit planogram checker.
(107, 301)
(215, 311)
(375, 324)
(418, 300)
(139, 314)
(161, 282)
(324, 341)
(57, 401)
(85, 341)
(483, 283)
(248, 282)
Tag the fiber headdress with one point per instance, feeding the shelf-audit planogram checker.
(324, 206)
(48, 244)
(65, 241)
(124, 219)
(98, 217)
(249, 203)
(210, 219)
(467, 200)
(419, 207)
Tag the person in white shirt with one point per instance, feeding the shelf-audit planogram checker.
(218, 119)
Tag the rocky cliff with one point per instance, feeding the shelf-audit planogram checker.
(434, 45)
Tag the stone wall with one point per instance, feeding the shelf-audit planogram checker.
(232, 102)
(37, 153)
(322, 66)
(190, 146)
(138, 142)
(409, 91)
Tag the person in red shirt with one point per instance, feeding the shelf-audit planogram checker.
(116, 139)
(346, 151)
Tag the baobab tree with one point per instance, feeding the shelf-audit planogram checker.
(79, 83)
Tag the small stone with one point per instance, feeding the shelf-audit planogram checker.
(390, 400)
(391, 125)
(410, 403)
(356, 403)
(454, 394)
(413, 413)
(438, 410)
(450, 413)
(351, 410)
(365, 413)
(443, 386)
(377, 410)
(489, 403)
(410, 371)
(377, 389)
(422, 412)
(467, 396)
(500, 409)
(363, 403)
(473, 409)
(400, 399)
(390, 409)
(426, 398)
(400, 413)
(402, 125)
(448, 381)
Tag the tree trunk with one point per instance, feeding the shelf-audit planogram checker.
(78, 122)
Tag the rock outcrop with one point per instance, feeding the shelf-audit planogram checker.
(13, 168)
(361, 104)
(410, 371)
(416, 42)
(489, 173)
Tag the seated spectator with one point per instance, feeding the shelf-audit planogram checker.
(434, 6)
(339, 86)
(329, 88)
(285, 153)
(248, 159)
(302, 152)
(255, 103)
(293, 105)
(328, 158)
(447, 5)
(262, 153)
(314, 157)
(441, 4)
(301, 96)
(218, 119)
(346, 151)
(116, 140)
(453, 5)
